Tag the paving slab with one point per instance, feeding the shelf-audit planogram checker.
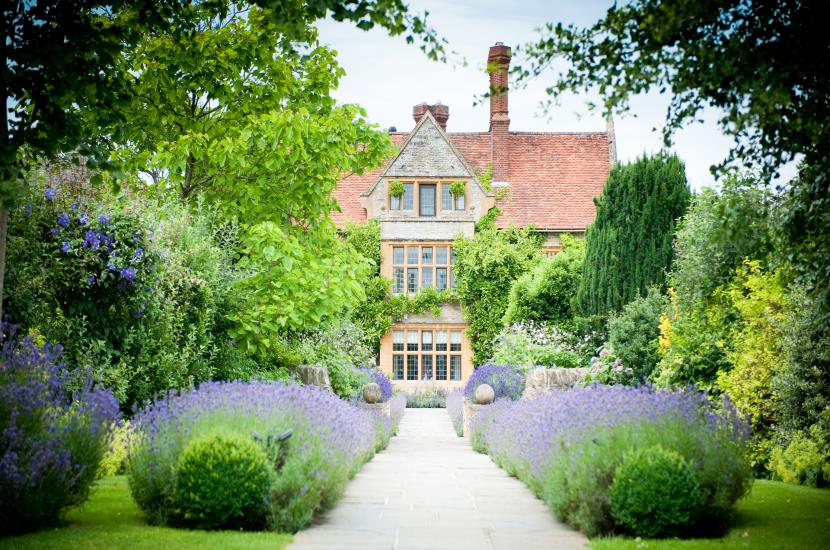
(430, 490)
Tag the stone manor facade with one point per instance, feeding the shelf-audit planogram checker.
(540, 178)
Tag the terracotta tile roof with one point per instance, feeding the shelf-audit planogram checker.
(553, 177)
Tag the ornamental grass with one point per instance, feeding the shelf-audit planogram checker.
(330, 440)
(568, 447)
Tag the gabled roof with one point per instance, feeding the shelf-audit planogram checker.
(553, 177)
(417, 156)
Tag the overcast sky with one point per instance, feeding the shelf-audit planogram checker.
(387, 77)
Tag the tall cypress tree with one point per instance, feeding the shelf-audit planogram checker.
(629, 245)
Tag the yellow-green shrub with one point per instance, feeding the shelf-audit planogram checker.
(121, 438)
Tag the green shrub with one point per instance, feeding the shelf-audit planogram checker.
(122, 439)
(138, 292)
(342, 347)
(654, 493)
(222, 482)
(528, 344)
(545, 294)
(633, 333)
(806, 459)
(429, 397)
(485, 268)
(629, 244)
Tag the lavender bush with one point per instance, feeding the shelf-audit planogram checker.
(507, 382)
(376, 376)
(455, 408)
(331, 439)
(397, 406)
(52, 438)
(427, 397)
(567, 446)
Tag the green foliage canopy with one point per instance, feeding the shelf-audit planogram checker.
(545, 294)
(765, 64)
(629, 245)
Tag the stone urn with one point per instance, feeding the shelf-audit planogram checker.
(371, 393)
(484, 394)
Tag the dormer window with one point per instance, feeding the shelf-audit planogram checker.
(426, 199)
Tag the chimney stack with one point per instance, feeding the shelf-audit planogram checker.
(440, 112)
(498, 62)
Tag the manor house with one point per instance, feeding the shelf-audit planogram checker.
(548, 179)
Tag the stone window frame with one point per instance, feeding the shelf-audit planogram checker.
(452, 358)
(401, 271)
(457, 204)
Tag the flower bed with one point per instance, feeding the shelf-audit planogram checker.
(506, 381)
(330, 441)
(569, 446)
(455, 408)
(54, 432)
(377, 376)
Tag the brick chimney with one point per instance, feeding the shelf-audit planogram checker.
(498, 62)
(440, 112)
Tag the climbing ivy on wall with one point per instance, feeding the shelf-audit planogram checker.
(485, 268)
(380, 310)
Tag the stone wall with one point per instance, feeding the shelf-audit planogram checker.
(543, 380)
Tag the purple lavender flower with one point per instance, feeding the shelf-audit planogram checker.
(83, 219)
(66, 247)
(91, 279)
(73, 206)
(381, 380)
(63, 220)
(56, 231)
(455, 408)
(27, 210)
(331, 439)
(103, 219)
(46, 423)
(579, 437)
(49, 193)
(506, 381)
(136, 238)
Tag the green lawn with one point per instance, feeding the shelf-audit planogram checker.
(110, 519)
(774, 515)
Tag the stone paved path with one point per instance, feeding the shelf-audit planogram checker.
(429, 489)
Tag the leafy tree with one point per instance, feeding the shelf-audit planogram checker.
(720, 229)
(62, 73)
(485, 268)
(764, 63)
(546, 293)
(801, 220)
(629, 245)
